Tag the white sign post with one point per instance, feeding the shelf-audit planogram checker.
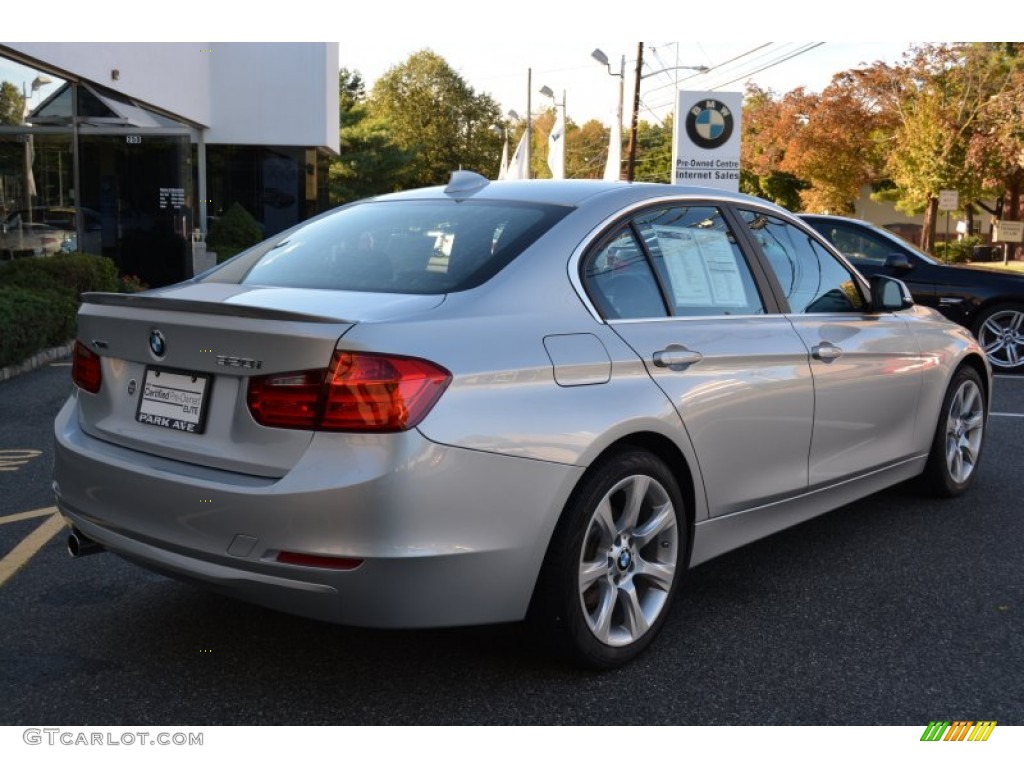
(949, 200)
(706, 146)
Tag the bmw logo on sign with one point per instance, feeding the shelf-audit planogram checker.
(157, 343)
(709, 123)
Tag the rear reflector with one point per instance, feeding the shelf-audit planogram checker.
(359, 392)
(319, 561)
(86, 370)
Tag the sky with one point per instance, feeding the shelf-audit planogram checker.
(494, 45)
(589, 90)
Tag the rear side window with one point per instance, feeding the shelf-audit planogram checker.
(402, 246)
(679, 260)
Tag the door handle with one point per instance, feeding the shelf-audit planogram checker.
(826, 352)
(676, 357)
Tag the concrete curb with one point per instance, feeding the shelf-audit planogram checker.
(38, 360)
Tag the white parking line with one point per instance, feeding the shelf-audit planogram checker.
(1011, 415)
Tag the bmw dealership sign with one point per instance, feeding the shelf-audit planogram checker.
(706, 148)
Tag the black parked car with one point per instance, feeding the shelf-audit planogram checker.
(990, 304)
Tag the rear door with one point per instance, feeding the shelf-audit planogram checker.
(674, 283)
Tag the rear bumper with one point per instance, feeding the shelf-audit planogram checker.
(447, 536)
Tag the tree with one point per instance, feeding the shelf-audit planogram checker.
(835, 146)
(586, 150)
(815, 152)
(767, 128)
(434, 114)
(370, 162)
(12, 104)
(997, 147)
(654, 151)
(941, 94)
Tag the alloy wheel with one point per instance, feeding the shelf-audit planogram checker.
(628, 561)
(965, 424)
(1001, 335)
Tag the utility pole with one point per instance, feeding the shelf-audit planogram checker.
(631, 160)
(529, 118)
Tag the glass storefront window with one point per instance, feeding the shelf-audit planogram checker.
(37, 213)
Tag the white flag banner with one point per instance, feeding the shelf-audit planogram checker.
(517, 165)
(503, 169)
(613, 166)
(556, 146)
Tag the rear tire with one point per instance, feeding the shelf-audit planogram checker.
(959, 437)
(614, 562)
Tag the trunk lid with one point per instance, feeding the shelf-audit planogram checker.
(176, 365)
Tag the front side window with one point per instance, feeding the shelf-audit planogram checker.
(674, 260)
(812, 279)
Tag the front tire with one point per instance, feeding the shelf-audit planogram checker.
(615, 561)
(959, 436)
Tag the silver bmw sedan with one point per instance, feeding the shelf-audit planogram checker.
(488, 402)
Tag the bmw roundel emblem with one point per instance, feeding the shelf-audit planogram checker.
(157, 343)
(709, 123)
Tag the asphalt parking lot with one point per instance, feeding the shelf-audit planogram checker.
(893, 610)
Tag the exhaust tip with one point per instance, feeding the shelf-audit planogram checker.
(79, 545)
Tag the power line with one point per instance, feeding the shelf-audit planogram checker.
(779, 57)
(802, 51)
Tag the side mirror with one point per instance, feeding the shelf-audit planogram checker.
(898, 262)
(889, 294)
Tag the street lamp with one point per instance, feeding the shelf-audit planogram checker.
(613, 167)
(558, 170)
(501, 131)
(631, 163)
(30, 182)
(37, 83)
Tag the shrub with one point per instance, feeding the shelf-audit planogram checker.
(233, 232)
(32, 321)
(39, 300)
(74, 273)
(957, 251)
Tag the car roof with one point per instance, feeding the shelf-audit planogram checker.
(575, 192)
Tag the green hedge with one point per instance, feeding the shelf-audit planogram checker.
(233, 232)
(39, 300)
(957, 251)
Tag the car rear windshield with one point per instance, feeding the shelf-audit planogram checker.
(397, 246)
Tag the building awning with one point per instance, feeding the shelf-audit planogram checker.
(100, 107)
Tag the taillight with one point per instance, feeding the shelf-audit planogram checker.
(290, 400)
(86, 370)
(359, 392)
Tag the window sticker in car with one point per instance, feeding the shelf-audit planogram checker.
(701, 266)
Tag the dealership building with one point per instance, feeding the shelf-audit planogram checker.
(132, 150)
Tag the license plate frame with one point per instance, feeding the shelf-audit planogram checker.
(179, 402)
